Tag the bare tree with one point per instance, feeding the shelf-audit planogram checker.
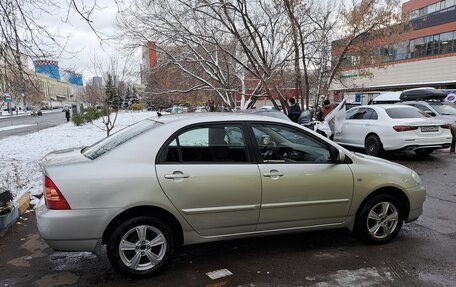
(365, 25)
(217, 43)
(22, 36)
(238, 48)
(114, 71)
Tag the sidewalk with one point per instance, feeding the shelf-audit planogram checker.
(8, 116)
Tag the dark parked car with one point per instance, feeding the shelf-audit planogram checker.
(36, 112)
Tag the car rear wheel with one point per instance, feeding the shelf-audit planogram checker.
(380, 219)
(373, 145)
(141, 246)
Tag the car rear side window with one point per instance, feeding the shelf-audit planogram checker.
(217, 143)
(405, 113)
(103, 146)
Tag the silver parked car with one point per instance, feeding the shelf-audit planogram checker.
(191, 178)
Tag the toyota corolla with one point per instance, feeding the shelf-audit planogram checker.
(185, 179)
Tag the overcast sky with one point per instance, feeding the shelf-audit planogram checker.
(83, 43)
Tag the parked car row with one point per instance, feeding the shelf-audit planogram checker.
(417, 119)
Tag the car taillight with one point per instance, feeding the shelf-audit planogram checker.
(53, 197)
(445, 126)
(404, 128)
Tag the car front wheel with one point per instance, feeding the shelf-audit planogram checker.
(141, 246)
(380, 219)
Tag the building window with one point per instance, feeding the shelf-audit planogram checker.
(441, 6)
(423, 11)
(420, 47)
(447, 42)
(433, 8)
(414, 14)
(449, 3)
(399, 51)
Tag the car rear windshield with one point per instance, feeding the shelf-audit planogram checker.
(405, 113)
(444, 109)
(103, 146)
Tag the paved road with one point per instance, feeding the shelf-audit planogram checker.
(424, 253)
(25, 124)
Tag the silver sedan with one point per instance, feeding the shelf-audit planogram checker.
(185, 179)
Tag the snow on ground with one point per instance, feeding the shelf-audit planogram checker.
(14, 127)
(19, 155)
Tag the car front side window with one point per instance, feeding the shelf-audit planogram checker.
(278, 144)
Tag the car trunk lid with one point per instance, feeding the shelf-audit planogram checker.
(64, 156)
(422, 127)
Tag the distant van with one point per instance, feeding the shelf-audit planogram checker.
(386, 98)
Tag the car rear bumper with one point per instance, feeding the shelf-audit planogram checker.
(72, 230)
(406, 143)
(421, 147)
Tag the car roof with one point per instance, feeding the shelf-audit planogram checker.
(388, 96)
(193, 118)
(428, 102)
(254, 111)
(384, 106)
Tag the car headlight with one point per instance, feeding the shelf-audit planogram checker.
(416, 178)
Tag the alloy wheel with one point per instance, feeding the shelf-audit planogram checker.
(372, 145)
(382, 220)
(142, 247)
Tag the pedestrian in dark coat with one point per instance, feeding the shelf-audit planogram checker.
(67, 114)
(294, 111)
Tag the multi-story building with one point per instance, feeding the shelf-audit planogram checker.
(40, 87)
(423, 55)
(149, 60)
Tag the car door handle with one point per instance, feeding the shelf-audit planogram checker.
(176, 176)
(273, 173)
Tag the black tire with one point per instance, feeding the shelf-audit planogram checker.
(373, 146)
(421, 152)
(373, 231)
(129, 230)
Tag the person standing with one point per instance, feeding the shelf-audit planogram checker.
(67, 114)
(294, 111)
(325, 110)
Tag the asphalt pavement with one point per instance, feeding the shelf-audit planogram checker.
(23, 124)
(423, 254)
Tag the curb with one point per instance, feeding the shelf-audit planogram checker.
(23, 203)
(20, 206)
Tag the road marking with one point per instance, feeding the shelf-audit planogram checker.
(14, 127)
(219, 274)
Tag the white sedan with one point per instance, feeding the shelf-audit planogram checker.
(378, 128)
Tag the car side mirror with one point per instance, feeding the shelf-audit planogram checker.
(431, 113)
(336, 155)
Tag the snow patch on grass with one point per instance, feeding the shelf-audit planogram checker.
(19, 155)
